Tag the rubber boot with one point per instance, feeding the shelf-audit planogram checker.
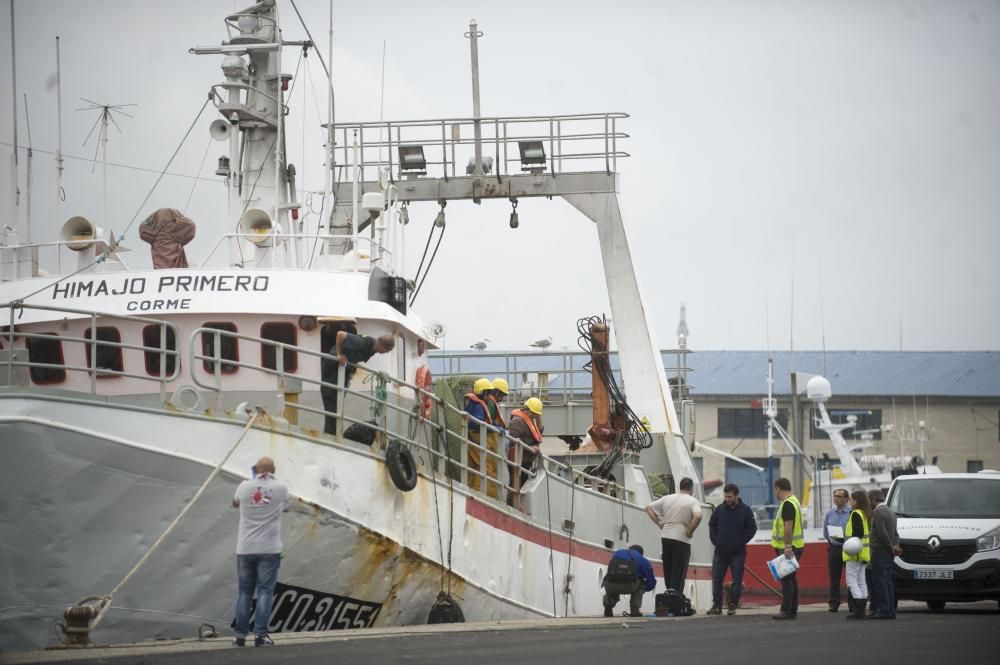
(859, 609)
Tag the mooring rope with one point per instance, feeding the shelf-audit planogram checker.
(106, 600)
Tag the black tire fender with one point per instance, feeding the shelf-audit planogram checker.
(401, 465)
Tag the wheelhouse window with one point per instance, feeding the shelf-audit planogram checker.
(108, 350)
(152, 339)
(746, 423)
(46, 351)
(229, 349)
(285, 333)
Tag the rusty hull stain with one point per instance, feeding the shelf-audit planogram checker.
(382, 570)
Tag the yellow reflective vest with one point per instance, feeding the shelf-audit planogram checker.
(778, 529)
(865, 555)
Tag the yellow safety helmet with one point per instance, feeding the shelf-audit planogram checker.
(481, 385)
(534, 405)
(501, 385)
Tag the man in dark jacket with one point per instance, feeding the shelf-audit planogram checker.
(731, 527)
(643, 581)
(884, 547)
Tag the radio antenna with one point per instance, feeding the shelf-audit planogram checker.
(105, 118)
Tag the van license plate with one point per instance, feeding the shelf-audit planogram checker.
(934, 574)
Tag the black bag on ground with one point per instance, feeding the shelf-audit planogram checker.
(673, 602)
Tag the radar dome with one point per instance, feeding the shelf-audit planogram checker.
(818, 389)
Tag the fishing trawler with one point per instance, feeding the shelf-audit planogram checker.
(132, 402)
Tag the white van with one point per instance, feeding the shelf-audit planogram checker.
(949, 529)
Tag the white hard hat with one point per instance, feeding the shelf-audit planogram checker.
(853, 546)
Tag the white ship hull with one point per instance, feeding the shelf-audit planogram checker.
(93, 484)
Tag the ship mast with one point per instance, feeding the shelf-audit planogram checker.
(251, 103)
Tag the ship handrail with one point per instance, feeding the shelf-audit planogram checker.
(411, 414)
(12, 333)
(216, 386)
(433, 122)
(439, 138)
(232, 25)
(371, 259)
(18, 250)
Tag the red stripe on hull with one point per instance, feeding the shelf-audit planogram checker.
(813, 576)
(558, 542)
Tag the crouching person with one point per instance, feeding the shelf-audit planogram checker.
(629, 573)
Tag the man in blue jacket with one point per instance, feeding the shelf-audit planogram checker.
(642, 580)
(731, 527)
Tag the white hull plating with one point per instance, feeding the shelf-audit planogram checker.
(91, 486)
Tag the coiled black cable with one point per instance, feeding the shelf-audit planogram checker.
(632, 438)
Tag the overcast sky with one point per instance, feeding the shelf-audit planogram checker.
(854, 145)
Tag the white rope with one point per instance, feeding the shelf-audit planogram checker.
(106, 600)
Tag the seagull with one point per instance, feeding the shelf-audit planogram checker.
(479, 346)
(543, 344)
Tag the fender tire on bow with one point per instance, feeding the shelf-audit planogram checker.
(401, 465)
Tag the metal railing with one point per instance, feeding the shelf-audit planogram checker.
(557, 377)
(590, 141)
(13, 255)
(400, 420)
(97, 319)
(378, 253)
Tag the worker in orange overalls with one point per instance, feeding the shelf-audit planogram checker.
(476, 405)
(526, 426)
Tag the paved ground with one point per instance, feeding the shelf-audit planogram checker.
(960, 634)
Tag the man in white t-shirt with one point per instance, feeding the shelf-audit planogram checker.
(258, 549)
(677, 515)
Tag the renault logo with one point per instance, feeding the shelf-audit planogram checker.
(933, 543)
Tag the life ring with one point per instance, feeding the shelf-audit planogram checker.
(401, 465)
(424, 383)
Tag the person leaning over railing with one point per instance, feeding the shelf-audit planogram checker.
(353, 349)
(526, 426)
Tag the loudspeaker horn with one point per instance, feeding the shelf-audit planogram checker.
(219, 129)
(78, 233)
(258, 225)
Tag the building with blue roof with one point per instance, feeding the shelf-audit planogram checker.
(946, 403)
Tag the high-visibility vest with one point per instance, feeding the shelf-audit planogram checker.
(495, 414)
(778, 528)
(472, 397)
(535, 434)
(529, 421)
(865, 555)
